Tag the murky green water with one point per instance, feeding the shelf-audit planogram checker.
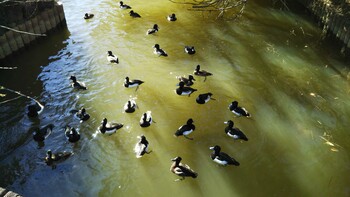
(272, 62)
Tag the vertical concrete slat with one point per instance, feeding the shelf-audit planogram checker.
(11, 40)
(29, 28)
(46, 20)
(52, 18)
(2, 53)
(25, 37)
(5, 45)
(36, 26)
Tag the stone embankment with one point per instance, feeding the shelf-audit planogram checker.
(22, 22)
(6, 193)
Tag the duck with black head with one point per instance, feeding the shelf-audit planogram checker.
(153, 30)
(109, 127)
(132, 83)
(134, 14)
(124, 6)
(88, 16)
(158, 51)
(182, 170)
(237, 110)
(141, 147)
(188, 81)
(35, 109)
(146, 119)
(234, 132)
(172, 17)
(186, 129)
(184, 91)
(204, 98)
(77, 84)
(222, 158)
(201, 73)
(52, 159)
(112, 58)
(190, 50)
(40, 134)
(130, 106)
(82, 115)
(72, 134)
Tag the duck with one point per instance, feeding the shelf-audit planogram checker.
(41, 134)
(52, 159)
(190, 50)
(141, 146)
(186, 129)
(34, 110)
(77, 84)
(146, 119)
(109, 127)
(183, 91)
(237, 110)
(188, 81)
(132, 83)
(82, 115)
(112, 58)
(202, 73)
(159, 51)
(153, 30)
(134, 14)
(88, 16)
(221, 157)
(182, 170)
(204, 98)
(234, 132)
(172, 17)
(130, 106)
(123, 6)
(72, 134)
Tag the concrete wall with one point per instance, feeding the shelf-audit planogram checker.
(6, 193)
(334, 15)
(49, 17)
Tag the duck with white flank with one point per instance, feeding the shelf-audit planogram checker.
(184, 91)
(77, 84)
(221, 157)
(234, 132)
(153, 30)
(134, 14)
(123, 6)
(190, 50)
(202, 73)
(52, 159)
(109, 127)
(35, 109)
(204, 98)
(130, 106)
(112, 58)
(159, 51)
(141, 146)
(188, 81)
(132, 83)
(237, 110)
(182, 170)
(88, 16)
(186, 129)
(146, 119)
(72, 134)
(82, 115)
(172, 17)
(41, 134)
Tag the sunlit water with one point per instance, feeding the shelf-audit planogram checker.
(271, 61)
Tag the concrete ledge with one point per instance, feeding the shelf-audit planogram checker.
(6, 193)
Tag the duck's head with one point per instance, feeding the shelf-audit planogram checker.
(234, 104)
(131, 12)
(109, 52)
(190, 77)
(49, 153)
(86, 15)
(155, 26)
(177, 159)
(173, 15)
(121, 2)
(156, 46)
(216, 148)
(182, 84)
(73, 78)
(82, 110)
(230, 123)
(127, 79)
(189, 121)
(198, 67)
(141, 137)
(104, 121)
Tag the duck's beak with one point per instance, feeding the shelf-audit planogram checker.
(173, 159)
(226, 122)
(211, 148)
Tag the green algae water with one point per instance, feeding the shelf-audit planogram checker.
(273, 62)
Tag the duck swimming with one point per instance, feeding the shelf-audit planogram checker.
(183, 91)
(77, 84)
(132, 83)
(109, 127)
(146, 119)
(190, 50)
(153, 30)
(221, 157)
(134, 14)
(72, 134)
(35, 109)
(52, 159)
(172, 17)
(130, 106)
(186, 129)
(88, 16)
(238, 111)
(41, 134)
(234, 132)
(141, 146)
(204, 98)
(123, 6)
(159, 51)
(182, 170)
(202, 73)
(187, 81)
(82, 115)
(112, 58)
